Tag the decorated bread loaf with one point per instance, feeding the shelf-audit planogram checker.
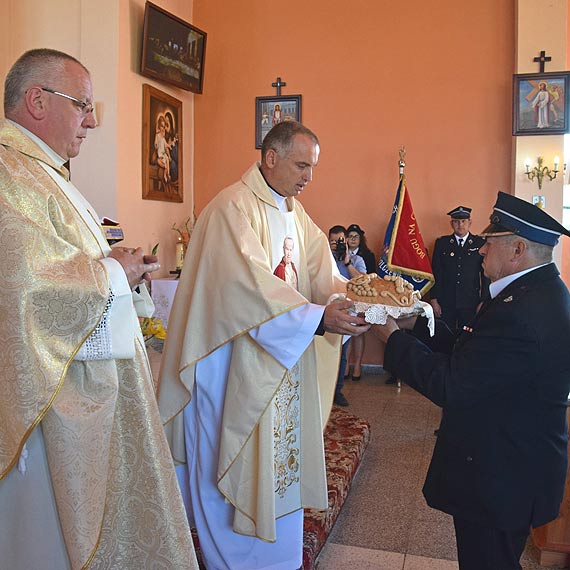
(387, 290)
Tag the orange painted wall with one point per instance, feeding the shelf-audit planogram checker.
(433, 76)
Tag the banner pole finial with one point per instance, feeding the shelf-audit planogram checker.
(402, 161)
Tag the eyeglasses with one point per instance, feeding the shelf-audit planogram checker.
(353, 236)
(86, 108)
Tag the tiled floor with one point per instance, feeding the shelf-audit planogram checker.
(385, 523)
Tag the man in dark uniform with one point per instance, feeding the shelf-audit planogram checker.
(459, 281)
(499, 463)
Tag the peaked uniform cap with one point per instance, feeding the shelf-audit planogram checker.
(511, 215)
(355, 228)
(460, 213)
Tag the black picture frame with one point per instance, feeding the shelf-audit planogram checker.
(173, 50)
(541, 103)
(272, 110)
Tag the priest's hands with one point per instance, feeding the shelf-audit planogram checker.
(136, 264)
(336, 319)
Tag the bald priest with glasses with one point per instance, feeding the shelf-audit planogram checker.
(86, 478)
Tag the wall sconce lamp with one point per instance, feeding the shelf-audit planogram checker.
(539, 171)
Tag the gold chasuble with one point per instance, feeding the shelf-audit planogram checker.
(113, 480)
(219, 299)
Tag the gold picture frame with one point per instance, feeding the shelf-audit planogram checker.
(162, 150)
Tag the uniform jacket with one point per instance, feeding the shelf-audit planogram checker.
(459, 280)
(500, 457)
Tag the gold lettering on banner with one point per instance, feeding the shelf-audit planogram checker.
(413, 241)
(286, 421)
(417, 248)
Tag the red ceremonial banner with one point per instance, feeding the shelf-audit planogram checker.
(407, 253)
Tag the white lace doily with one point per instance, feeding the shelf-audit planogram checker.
(378, 314)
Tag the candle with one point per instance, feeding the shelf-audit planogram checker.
(527, 165)
(179, 253)
(556, 163)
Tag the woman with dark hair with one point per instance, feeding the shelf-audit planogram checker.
(356, 243)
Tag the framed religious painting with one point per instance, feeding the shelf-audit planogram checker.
(161, 146)
(172, 50)
(272, 110)
(541, 103)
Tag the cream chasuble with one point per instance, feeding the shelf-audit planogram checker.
(97, 462)
(241, 340)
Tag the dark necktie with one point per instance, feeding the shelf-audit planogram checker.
(460, 242)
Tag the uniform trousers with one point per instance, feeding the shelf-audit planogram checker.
(484, 548)
(342, 366)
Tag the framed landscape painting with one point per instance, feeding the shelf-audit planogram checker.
(540, 103)
(173, 50)
(162, 146)
(272, 110)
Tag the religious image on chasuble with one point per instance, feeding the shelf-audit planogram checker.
(286, 404)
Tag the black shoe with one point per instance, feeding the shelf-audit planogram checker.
(392, 380)
(356, 378)
(340, 400)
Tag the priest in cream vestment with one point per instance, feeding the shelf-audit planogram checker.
(248, 376)
(86, 475)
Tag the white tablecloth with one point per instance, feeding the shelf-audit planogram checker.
(162, 293)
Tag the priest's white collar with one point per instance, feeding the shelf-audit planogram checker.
(281, 201)
(57, 160)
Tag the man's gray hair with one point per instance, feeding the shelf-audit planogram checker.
(280, 137)
(541, 251)
(34, 68)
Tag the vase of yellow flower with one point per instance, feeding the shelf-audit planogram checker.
(153, 332)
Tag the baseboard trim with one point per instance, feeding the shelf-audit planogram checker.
(373, 369)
